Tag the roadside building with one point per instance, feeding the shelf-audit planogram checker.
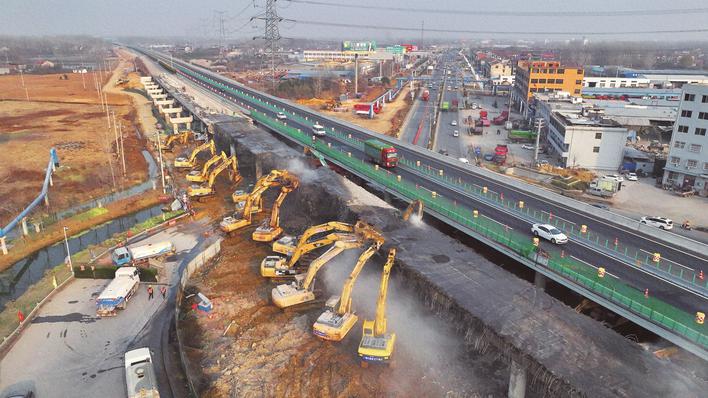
(612, 82)
(580, 136)
(545, 77)
(496, 68)
(687, 164)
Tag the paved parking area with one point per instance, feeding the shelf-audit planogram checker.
(639, 198)
(67, 351)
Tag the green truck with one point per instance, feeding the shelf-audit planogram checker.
(522, 136)
(445, 106)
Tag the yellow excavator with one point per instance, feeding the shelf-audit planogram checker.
(251, 203)
(189, 162)
(173, 139)
(338, 319)
(197, 175)
(288, 243)
(278, 266)
(206, 190)
(301, 290)
(376, 343)
(270, 228)
(417, 206)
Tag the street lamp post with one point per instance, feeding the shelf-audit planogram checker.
(68, 252)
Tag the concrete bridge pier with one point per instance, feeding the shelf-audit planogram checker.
(46, 200)
(25, 231)
(539, 280)
(517, 381)
(3, 246)
(37, 226)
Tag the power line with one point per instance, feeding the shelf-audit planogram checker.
(618, 13)
(499, 32)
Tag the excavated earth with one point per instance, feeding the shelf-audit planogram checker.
(460, 319)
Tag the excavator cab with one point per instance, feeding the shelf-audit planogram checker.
(377, 343)
(285, 245)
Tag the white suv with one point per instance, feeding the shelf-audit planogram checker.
(659, 222)
(549, 232)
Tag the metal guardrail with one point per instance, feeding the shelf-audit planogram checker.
(512, 184)
(650, 308)
(53, 161)
(654, 310)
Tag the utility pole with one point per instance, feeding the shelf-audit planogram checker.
(539, 125)
(162, 168)
(122, 149)
(356, 74)
(272, 33)
(68, 253)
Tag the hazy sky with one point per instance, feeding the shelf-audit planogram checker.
(109, 18)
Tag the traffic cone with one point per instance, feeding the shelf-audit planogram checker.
(646, 293)
(20, 316)
(700, 275)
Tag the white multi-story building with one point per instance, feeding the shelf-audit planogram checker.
(578, 136)
(687, 164)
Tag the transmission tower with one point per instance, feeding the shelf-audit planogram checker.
(222, 32)
(272, 34)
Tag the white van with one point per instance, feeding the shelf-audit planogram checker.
(318, 130)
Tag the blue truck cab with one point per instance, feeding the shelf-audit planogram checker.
(121, 256)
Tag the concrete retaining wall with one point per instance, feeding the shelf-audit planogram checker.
(195, 264)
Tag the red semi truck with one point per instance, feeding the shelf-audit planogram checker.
(501, 119)
(383, 154)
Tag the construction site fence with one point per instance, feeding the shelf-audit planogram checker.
(608, 287)
(192, 266)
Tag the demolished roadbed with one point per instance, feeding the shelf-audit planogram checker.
(564, 353)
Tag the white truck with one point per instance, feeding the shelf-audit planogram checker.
(118, 292)
(140, 254)
(140, 374)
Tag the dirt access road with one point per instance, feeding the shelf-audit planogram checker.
(65, 115)
(388, 122)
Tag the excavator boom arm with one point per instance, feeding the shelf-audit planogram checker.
(327, 256)
(326, 227)
(195, 152)
(215, 173)
(211, 161)
(380, 320)
(345, 298)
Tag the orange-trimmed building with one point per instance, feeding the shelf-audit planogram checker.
(545, 77)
